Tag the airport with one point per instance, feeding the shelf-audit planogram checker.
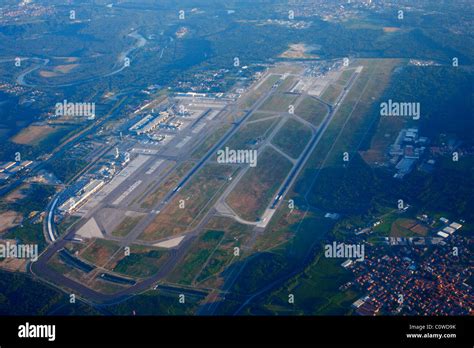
(133, 192)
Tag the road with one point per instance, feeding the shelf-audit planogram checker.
(211, 308)
(21, 79)
(41, 269)
(313, 143)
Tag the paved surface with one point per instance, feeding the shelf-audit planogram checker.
(42, 270)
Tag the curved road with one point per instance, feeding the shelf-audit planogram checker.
(119, 66)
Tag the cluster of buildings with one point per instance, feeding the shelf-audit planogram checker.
(316, 76)
(293, 24)
(438, 230)
(415, 280)
(81, 195)
(84, 189)
(203, 81)
(25, 9)
(151, 122)
(27, 95)
(10, 169)
(448, 228)
(448, 146)
(329, 10)
(181, 32)
(394, 241)
(322, 68)
(419, 62)
(212, 97)
(12, 88)
(406, 151)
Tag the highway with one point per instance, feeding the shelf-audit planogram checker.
(21, 79)
(41, 269)
(51, 234)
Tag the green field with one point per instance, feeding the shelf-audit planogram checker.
(168, 184)
(196, 258)
(253, 95)
(126, 226)
(28, 233)
(292, 138)
(99, 251)
(250, 135)
(287, 84)
(316, 291)
(224, 253)
(142, 262)
(278, 102)
(260, 115)
(191, 202)
(156, 302)
(345, 76)
(312, 110)
(331, 93)
(257, 187)
(207, 144)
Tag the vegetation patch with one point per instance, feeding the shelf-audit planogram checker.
(259, 184)
(292, 138)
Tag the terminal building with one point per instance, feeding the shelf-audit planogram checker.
(82, 195)
(149, 123)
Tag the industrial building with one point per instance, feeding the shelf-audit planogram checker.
(406, 151)
(140, 123)
(149, 123)
(81, 196)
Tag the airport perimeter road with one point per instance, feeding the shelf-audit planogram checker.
(282, 279)
(210, 308)
(134, 234)
(312, 145)
(46, 273)
(41, 269)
